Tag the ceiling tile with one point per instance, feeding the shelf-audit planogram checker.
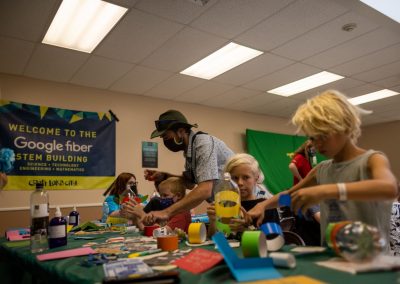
(382, 72)
(291, 22)
(283, 76)
(100, 72)
(182, 11)
(369, 61)
(229, 18)
(324, 37)
(355, 48)
(54, 63)
(340, 85)
(26, 19)
(261, 65)
(361, 90)
(139, 80)
(389, 82)
(14, 55)
(205, 91)
(174, 86)
(136, 36)
(183, 50)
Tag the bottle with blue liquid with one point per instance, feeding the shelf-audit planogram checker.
(73, 217)
(57, 230)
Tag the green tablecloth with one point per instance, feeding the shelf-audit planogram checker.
(19, 265)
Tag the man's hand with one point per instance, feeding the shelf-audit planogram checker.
(155, 217)
(152, 175)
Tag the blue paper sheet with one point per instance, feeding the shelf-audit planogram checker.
(245, 269)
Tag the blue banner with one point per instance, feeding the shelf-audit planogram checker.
(64, 149)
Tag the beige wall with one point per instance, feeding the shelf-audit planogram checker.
(137, 115)
(384, 137)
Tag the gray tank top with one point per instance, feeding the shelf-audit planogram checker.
(375, 213)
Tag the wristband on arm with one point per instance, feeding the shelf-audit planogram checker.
(342, 191)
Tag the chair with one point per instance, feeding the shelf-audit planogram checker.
(292, 238)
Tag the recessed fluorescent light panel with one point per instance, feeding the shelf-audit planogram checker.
(222, 60)
(305, 84)
(372, 97)
(390, 8)
(82, 24)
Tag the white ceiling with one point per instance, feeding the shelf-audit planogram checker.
(157, 39)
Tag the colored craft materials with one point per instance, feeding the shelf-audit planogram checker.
(227, 203)
(168, 243)
(274, 235)
(197, 233)
(148, 230)
(355, 241)
(254, 244)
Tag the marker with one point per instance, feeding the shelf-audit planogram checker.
(143, 253)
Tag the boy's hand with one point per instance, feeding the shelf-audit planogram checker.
(257, 212)
(304, 198)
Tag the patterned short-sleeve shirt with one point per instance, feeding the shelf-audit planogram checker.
(207, 158)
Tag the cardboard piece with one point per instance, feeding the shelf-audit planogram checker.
(199, 260)
(66, 253)
(245, 269)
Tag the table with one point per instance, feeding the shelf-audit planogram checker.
(19, 265)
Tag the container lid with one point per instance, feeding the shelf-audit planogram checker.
(58, 212)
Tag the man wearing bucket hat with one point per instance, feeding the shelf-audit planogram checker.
(205, 157)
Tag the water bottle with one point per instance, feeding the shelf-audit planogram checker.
(227, 203)
(39, 219)
(57, 230)
(106, 210)
(355, 241)
(73, 217)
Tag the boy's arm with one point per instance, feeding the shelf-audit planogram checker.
(381, 186)
(257, 212)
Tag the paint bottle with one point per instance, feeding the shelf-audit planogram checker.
(74, 218)
(57, 230)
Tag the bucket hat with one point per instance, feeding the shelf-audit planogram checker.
(169, 119)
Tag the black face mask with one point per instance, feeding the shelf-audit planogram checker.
(174, 146)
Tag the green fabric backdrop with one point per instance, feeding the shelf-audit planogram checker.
(270, 150)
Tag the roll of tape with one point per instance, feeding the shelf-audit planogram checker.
(167, 243)
(283, 259)
(197, 233)
(148, 230)
(254, 244)
(274, 236)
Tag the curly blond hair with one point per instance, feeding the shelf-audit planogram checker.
(329, 113)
